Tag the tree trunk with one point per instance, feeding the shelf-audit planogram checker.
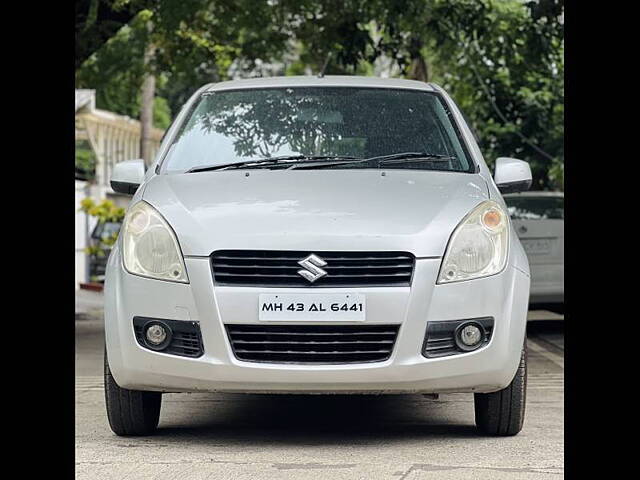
(146, 108)
(418, 70)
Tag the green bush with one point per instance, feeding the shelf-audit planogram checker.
(105, 211)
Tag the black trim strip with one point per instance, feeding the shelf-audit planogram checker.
(514, 187)
(124, 187)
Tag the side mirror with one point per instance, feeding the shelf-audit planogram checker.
(512, 175)
(127, 176)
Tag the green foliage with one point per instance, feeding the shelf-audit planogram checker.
(85, 160)
(196, 42)
(161, 113)
(502, 60)
(96, 22)
(105, 211)
(505, 69)
(116, 70)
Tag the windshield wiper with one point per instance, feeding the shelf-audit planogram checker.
(246, 163)
(402, 157)
(267, 161)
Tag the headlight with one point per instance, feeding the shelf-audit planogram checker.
(149, 246)
(478, 245)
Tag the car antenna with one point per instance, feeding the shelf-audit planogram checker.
(324, 67)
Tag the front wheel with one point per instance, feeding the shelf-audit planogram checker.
(501, 413)
(130, 412)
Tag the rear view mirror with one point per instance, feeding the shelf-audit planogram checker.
(512, 175)
(127, 176)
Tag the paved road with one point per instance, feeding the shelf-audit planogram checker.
(234, 436)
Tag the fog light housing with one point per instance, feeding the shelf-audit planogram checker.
(157, 335)
(469, 336)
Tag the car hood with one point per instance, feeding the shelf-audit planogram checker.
(315, 210)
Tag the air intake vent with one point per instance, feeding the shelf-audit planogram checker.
(319, 344)
(272, 268)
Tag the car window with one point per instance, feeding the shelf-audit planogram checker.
(105, 230)
(240, 125)
(535, 208)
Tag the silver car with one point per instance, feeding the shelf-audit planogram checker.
(538, 219)
(317, 235)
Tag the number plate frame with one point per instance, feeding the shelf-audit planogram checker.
(312, 307)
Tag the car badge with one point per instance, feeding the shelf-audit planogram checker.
(312, 270)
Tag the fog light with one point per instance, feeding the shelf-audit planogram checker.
(157, 336)
(469, 336)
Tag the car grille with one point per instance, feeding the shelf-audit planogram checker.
(185, 339)
(271, 268)
(318, 344)
(440, 342)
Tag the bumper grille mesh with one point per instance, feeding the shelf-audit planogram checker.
(319, 344)
(272, 268)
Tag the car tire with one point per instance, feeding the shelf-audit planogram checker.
(501, 413)
(130, 412)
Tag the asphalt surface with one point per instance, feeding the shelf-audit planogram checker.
(235, 436)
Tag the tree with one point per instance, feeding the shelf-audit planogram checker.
(147, 95)
(503, 63)
(96, 22)
(506, 69)
(502, 60)
(195, 42)
(116, 71)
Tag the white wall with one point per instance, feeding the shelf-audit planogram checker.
(85, 224)
(82, 264)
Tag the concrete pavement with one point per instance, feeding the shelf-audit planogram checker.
(235, 436)
(88, 304)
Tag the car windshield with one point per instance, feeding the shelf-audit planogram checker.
(322, 122)
(535, 208)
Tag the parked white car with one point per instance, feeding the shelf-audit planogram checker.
(317, 235)
(538, 219)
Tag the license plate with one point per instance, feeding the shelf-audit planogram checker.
(312, 306)
(537, 246)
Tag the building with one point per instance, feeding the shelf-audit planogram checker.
(106, 138)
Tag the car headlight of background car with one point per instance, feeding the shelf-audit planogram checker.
(150, 247)
(478, 245)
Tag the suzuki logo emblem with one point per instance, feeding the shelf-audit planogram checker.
(312, 270)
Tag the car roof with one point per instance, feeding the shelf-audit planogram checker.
(315, 81)
(535, 194)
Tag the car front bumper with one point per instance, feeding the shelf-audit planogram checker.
(503, 297)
